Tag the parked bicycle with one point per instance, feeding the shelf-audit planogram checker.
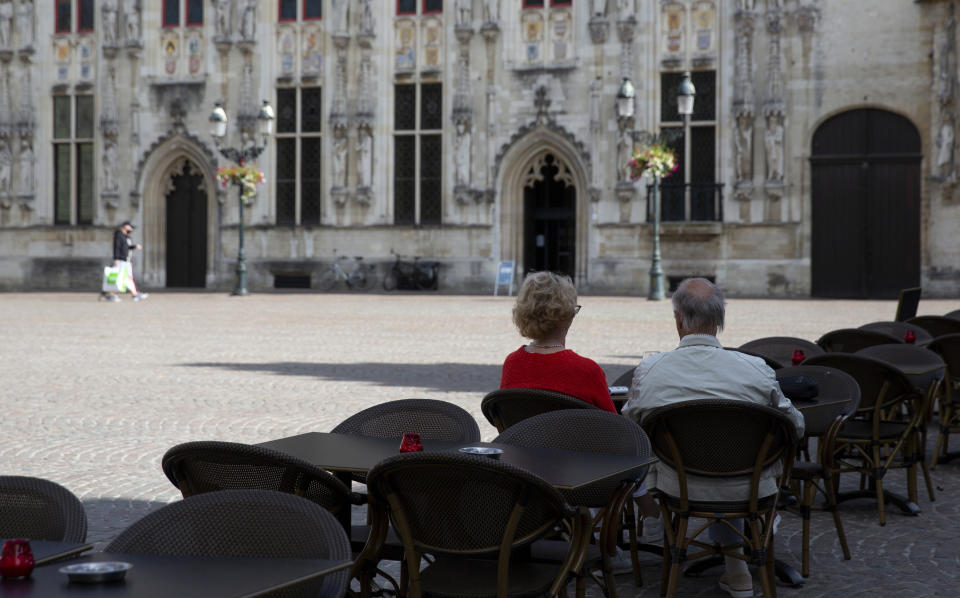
(411, 276)
(361, 277)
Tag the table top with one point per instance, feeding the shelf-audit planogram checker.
(184, 577)
(780, 348)
(46, 551)
(565, 470)
(899, 329)
(835, 391)
(909, 359)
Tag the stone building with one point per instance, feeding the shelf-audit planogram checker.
(820, 159)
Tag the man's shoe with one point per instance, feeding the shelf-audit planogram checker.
(113, 298)
(140, 296)
(738, 585)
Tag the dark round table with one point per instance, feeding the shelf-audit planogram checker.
(922, 367)
(899, 330)
(835, 391)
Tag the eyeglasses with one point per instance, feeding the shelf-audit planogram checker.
(576, 309)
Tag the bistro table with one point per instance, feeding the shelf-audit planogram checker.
(899, 330)
(46, 551)
(563, 469)
(155, 576)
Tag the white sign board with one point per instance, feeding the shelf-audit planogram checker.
(505, 273)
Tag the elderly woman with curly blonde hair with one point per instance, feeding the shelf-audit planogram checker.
(546, 305)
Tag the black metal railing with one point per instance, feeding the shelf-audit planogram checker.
(687, 202)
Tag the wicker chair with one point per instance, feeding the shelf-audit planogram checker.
(954, 315)
(507, 406)
(244, 523)
(39, 509)
(625, 379)
(608, 433)
(851, 340)
(948, 347)
(877, 437)
(207, 466)
(694, 437)
(823, 423)
(471, 514)
(780, 349)
(936, 325)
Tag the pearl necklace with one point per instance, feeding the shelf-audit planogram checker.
(547, 346)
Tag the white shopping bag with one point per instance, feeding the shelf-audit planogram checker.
(115, 278)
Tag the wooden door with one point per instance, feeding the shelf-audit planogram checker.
(550, 228)
(187, 230)
(865, 239)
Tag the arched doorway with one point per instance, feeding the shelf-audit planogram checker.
(550, 217)
(865, 189)
(186, 202)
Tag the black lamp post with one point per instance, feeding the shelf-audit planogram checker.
(685, 95)
(247, 152)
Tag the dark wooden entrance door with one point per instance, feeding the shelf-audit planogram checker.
(187, 230)
(866, 205)
(550, 225)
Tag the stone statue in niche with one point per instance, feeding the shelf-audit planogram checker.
(743, 142)
(773, 143)
(248, 23)
(744, 4)
(6, 168)
(6, 20)
(492, 10)
(224, 8)
(25, 22)
(339, 159)
(338, 8)
(364, 157)
(625, 8)
(25, 167)
(366, 23)
(462, 154)
(109, 165)
(598, 8)
(131, 20)
(945, 140)
(109, 15)
(464, 13)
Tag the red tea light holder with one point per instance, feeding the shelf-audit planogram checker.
(411, 443)
(16, 559)
(798, 357)
(910, 337)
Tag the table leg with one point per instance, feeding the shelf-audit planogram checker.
(785, 573)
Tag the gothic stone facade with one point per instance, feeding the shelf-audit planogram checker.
(474, 131)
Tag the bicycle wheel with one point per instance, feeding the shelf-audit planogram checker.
(360, 278)
(390, 280)
(327, 280)
(426, 280)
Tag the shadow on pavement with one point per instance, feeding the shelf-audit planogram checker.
(446, 377)
(107, 517)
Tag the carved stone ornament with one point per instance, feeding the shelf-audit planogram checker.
(599, 29)
(807, 18)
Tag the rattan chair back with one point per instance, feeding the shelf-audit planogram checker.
(948, 348)
(881, 385)
(719, 438)
(244, 523)
(39, 509)
(832, 383)
(773, 364)
(780, 348)
(431, 419)
(207, 466)
(851, 340)
(451, 503)
(588, 430)
(507, 406)
(936, 325)
(954, 315)
(625, 379)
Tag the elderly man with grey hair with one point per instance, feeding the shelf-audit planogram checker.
(700, 368)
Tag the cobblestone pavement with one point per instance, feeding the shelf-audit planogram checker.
(92, 394)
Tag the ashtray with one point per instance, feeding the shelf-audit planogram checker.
(483, 451)
(96, 572)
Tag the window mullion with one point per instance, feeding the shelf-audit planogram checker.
(298, 160)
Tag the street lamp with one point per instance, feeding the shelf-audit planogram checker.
(685, 94)
(218, 130)
(625, 99)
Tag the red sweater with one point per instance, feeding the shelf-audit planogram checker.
(563, 371)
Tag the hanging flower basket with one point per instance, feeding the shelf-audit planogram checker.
(656, 160)
(248, 177)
